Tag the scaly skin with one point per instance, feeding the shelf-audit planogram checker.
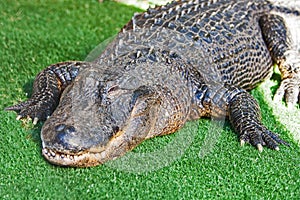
(168, 65)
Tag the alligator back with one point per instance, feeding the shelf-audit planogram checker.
(221, 39)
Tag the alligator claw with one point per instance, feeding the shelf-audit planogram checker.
(259, 147)
(261, 137)
(19, 117)
(31, 109)
(242, 143)
(35, 121)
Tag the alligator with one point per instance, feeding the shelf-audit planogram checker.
(171, 64)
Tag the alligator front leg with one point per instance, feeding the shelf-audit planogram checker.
(47, 88)
(245, 117)
(243, 111)
(285, 53)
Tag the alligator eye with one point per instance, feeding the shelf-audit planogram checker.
(113, 88)
(70, 129)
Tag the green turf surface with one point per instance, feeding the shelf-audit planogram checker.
(34, 34)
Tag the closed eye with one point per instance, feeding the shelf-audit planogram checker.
(113, 89)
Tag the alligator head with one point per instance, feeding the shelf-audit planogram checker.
(98, 119)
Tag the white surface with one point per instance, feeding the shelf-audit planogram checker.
(144, 4)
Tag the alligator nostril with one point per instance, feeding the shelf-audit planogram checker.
(60, 138)
(64, 134)
(70, 129)
(60, 127)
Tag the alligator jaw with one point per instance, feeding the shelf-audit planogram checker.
(83, 159)
(117, 146)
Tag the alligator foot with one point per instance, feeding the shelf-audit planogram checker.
(47, 88)
(33, 109)
(259, 136)
(244, 115)
(45, 97)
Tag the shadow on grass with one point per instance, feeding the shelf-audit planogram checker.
(28, 88)
(36, 133)
(277, 78)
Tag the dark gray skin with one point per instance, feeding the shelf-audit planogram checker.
(171, 64)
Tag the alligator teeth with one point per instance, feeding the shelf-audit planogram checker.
(57, 156)
(45, 151)
(52, 153)
(76, 157)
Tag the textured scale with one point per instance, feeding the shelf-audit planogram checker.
(168, 65)
(227, 33)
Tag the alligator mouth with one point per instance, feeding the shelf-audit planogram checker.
(116, 147)
(82, 159)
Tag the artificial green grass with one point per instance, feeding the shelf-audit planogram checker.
(35, 34)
